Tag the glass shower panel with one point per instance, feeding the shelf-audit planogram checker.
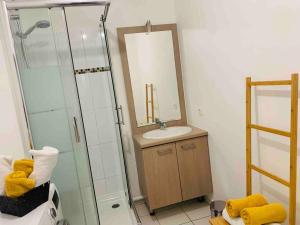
(52, 106)
(98, 103)
(118, 113)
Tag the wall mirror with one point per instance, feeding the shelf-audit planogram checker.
(152, 74)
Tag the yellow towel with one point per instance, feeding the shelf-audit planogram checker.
(25, 165)
(234, 206)
(272, 213)
(17, 184)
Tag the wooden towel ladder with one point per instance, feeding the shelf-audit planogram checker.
(292, 134)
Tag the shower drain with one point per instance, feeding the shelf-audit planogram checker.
(114, 206)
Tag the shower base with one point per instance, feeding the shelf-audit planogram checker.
(110, 215)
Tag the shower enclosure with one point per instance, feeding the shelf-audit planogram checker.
(68, 94)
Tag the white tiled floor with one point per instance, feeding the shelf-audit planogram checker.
(188, 213)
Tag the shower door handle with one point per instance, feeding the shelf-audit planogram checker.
(76, 131)
(122, 115)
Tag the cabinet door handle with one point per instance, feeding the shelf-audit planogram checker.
(165, 151)
(188, 147)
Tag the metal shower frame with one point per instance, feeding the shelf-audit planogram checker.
(57, 3)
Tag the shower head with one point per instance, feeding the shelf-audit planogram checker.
(38, 24)
(42, 24)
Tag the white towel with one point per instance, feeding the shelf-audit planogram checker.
(238, 220)
(5, 169)
(45, 161)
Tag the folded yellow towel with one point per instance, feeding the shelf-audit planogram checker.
(234, 206)
(17, 184)
(25, 165)
(272, 213)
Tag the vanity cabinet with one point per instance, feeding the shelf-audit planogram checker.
(161, 175)
(194, 167)
(174, 171)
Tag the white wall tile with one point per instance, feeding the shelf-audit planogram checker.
(100, 187)
(106, 125)
(100, 90)
(114, 184)
(96, 162)
(77, 46)
(90, 124)
(92, 48)
(111, 159)
(84, 88)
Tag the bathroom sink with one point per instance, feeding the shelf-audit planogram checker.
(168, 132)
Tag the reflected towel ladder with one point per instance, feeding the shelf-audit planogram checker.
(292, 134)
(151, 101)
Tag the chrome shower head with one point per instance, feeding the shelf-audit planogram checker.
(42, 24)
(38, 24)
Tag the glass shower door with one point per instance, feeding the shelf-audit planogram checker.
(52, 106)
(99, 109)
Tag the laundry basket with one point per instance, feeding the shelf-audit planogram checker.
(26, 203)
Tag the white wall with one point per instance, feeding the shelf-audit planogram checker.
(11, 140)
(132, 13)
(223, 41)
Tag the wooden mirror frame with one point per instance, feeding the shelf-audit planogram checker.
(122, 47)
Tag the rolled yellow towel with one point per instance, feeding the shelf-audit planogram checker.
(25, 165)
(17, 184)
(272, 213)
(235, 206)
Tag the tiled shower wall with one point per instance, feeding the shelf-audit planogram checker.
(99, 121)
(97, 102)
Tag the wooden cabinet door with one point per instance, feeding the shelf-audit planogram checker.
(194, 167)
(161, 176)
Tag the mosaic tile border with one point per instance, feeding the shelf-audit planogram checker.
(92, 70)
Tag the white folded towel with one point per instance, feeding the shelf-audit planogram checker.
(5, 169)
(238, 220)
(232, 221)
(45, 161)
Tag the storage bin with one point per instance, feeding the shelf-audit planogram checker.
(26, 203)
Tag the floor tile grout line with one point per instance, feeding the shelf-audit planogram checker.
(199, 219)
(191, 218)
(180, 207)
(156, 219)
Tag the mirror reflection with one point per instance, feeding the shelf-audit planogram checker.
(153, 76)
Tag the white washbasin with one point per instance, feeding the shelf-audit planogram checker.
(167, 132)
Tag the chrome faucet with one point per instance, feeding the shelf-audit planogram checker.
(162, 125)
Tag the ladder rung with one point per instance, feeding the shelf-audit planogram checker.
(267, 174)
(271, 130)
(265, 83)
